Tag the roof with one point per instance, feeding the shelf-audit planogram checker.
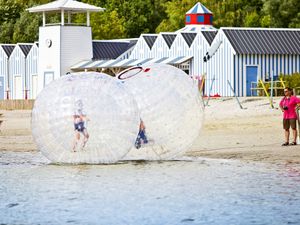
(169, 38)
(209, 35)
(25, 48)
(150, 39)
(199, 9)
(8, 49)
(125, 63)
(264, 41)
(196, 28)
(67, 5)
(189, 38)
(111, 49)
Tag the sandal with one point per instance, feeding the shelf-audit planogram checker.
(285, 144)
(293, 143)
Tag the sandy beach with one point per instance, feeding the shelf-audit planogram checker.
(252, 134)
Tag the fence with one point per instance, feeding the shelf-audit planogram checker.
(16, 104)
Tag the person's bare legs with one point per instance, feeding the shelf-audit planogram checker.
(287, 135)
(295, 135)
(86, 137)
(76, 139)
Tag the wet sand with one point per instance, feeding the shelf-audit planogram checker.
(251, 134)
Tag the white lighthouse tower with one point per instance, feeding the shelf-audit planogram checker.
(64, 44)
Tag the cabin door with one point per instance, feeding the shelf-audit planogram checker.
(34, 83)
(18, 89)
(251, 77)
(1, 87)
(48, 77)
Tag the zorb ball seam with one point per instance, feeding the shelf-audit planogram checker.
(85, 118)
(170, 110)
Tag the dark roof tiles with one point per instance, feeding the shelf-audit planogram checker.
(189, 38)
(110, 49)
(169, 39)
(267, 41)
(209, 35)
(150, 39)
(8, 49)
(25, 48)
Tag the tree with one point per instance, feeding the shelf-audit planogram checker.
(282, 13)
(26, 28)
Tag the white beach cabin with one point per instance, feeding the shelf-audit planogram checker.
(17, 71)
(32, 71)
(5, 52)
(64, 44)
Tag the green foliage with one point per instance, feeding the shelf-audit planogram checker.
(292, 81)
(130, 18)
(26, 28)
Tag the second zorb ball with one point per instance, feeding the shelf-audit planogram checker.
(85, 118)
(171, 110)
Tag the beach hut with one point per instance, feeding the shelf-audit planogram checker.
(184, 48)
(144, 46)
(5, 52)
(32, 71)
(63, 44)
(17, 71)
(242, 56)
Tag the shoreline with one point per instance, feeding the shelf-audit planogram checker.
(252, 134)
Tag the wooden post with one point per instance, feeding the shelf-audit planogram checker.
(44, 19)
(267, 94)
(234, 94)
(88, 18)
(62, 17)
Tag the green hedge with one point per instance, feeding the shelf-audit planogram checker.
(292, 81)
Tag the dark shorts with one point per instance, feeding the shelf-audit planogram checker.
(287, 123)
(79, 126)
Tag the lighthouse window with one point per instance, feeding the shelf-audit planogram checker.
(211, 19)
(188, 19)
(200, 19)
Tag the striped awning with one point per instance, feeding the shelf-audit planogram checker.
(125, 63)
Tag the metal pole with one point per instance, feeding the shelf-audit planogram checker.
(267, 94)
(211, 86)
(62, 17)
(272, 85)
(298, 119)
(234, 94)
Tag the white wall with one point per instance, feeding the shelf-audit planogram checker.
(32, 70)
(17, 73)
(3, 72)
(70, 44)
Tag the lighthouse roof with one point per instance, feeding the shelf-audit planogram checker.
(199, 9)
(67, 5)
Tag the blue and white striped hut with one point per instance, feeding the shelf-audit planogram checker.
(5, 52)
(245, 55)
(184, 48)
(32, 71)
(17, 71)
(144, 46)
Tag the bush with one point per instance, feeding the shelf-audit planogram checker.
(292, 81)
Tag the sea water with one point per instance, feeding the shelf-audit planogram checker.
(190, 191)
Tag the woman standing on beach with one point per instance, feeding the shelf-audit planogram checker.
(288, 106)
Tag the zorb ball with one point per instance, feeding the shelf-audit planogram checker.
(171, 110)
(85, 118)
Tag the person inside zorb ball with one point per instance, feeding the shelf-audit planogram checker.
(171, 110)
(85, 118)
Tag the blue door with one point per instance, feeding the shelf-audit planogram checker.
(1, 87)
(251, 76)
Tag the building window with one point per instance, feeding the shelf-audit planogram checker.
(211, 19)
(200, 19)
(188, 19)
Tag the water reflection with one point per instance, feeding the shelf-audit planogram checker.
(139, 192)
